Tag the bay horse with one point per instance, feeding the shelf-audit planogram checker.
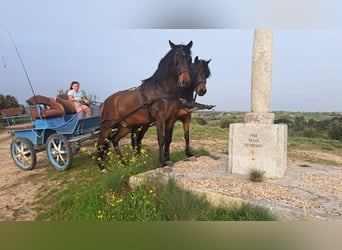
(199, 74)
(156, 101)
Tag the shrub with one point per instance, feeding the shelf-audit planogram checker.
(200, 120)
(225, 122)
(335, 132)
(256, 175)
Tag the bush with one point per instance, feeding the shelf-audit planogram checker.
(200, 120)
(225, 122)
(335, 132)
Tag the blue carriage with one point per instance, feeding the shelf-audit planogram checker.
(52, 125)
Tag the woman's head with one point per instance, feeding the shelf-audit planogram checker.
(74, 85)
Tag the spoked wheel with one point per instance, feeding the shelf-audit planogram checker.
(23, 153)
(59, 152)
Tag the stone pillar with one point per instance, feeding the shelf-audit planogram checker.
(261, 79)
(258, 143)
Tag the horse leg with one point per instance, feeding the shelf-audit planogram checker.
(134, 135)
(102, 147)
(122, 132)
(161, 141)
(186, 129)
(168, 140)
(140, 136)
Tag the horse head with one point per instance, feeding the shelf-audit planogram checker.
(182, 62)
(199, 74)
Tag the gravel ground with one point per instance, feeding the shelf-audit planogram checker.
(313, 192)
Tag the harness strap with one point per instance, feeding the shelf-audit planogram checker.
(145, 103)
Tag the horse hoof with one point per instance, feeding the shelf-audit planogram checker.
(167, 169)
(192, 158)
(104, 171)
(169, 163)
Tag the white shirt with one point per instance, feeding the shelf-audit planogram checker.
(76, 94)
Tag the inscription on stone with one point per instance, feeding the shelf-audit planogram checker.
(253, 141)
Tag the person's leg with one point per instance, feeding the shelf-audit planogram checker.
(79, 112)
(84, 109)
(87, 110)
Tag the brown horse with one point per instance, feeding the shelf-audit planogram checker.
(199, 74)
(155, 100)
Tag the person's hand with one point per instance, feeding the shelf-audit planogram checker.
(85, 101)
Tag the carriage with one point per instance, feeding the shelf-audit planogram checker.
(48, 124)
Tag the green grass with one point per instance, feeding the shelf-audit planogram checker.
(153, 201)
(256, 174)
(317, 116)
(296, 142)
(198, 132)
(87, 195)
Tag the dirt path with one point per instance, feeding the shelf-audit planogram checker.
(18, 188)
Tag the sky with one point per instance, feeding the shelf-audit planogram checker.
(109, 46)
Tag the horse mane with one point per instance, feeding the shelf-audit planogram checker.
(164, 66)
(162, 70)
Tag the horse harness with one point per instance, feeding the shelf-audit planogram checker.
(145, 104)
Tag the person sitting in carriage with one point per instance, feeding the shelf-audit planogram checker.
(81, 104)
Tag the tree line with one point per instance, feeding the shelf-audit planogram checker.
(328, 128)
(8, 101)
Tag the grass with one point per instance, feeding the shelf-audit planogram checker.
(89, 196)
(256, 175)
(153, 201)
(204, 132)
(296, 142)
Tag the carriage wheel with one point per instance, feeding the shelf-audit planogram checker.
(23, 153)
(59, 152)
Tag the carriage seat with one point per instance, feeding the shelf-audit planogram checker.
(12, 112)
(48, 107)
(68, 106)
(11, 115)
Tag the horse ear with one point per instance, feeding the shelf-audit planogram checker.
(208, 61)
(189, 45)
(172, 45)
(196, 59)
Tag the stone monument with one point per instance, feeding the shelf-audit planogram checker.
(258, 143)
